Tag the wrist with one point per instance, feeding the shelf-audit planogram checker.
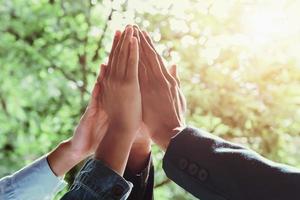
(62, 159)
(138, 157)
(164, 137)
(114, 149)
(75, 154)
(141, 147)
(123, 127)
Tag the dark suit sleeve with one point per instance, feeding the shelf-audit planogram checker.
(211, 168)
(142, 182)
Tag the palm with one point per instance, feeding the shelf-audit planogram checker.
(92, 126)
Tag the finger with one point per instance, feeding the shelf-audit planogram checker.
(136, 33)
(163, 68)
(143, 78)
(149, 56)
(124, 52)
(114, 45)
(113, 66)
(96, 89)
(133, 60)
(174, 73)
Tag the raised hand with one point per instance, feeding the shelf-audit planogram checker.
(87, 135)
(92, 125)
(163, 104)
(121, 99)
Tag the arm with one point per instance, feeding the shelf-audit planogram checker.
(122, 101)
(223, 170)
(43, 178)
(207, 166)
(101, 177)
(139, 169)
(35, 181)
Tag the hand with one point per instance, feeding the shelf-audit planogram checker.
(92, 125)
(88, 134)
(141, 147)
(121, 99)
(163, 104)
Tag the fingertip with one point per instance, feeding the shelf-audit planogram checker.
(145, 34)
(129, 29)
(117, 34)
(102, 67)
(136, 33)
(174, 68)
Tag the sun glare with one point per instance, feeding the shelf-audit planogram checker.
(268, 24)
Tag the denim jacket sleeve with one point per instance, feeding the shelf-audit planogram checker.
(35, 182)
(96, 181)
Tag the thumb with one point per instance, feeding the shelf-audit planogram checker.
(96, 89)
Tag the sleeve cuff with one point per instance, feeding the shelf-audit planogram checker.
(142, 176)
(36, 178)
(101, 181)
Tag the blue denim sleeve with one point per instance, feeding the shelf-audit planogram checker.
(96, 181)
(35, 182)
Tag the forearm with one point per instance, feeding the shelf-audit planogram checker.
(115, 148)
(36, 178)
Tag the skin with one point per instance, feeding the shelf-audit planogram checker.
(87, 135)
(139, 99)
(163, 104)
(121, 100)
(90, 132)
(141, 148)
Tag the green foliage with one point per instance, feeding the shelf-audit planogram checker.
(236, 88)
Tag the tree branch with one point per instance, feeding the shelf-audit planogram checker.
(70, 78)
(164, 182)
(4, 105)
(96, 55)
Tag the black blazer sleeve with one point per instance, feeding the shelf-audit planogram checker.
(211, 168)
(142, 182)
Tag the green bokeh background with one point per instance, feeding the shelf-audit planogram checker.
(236, 88)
